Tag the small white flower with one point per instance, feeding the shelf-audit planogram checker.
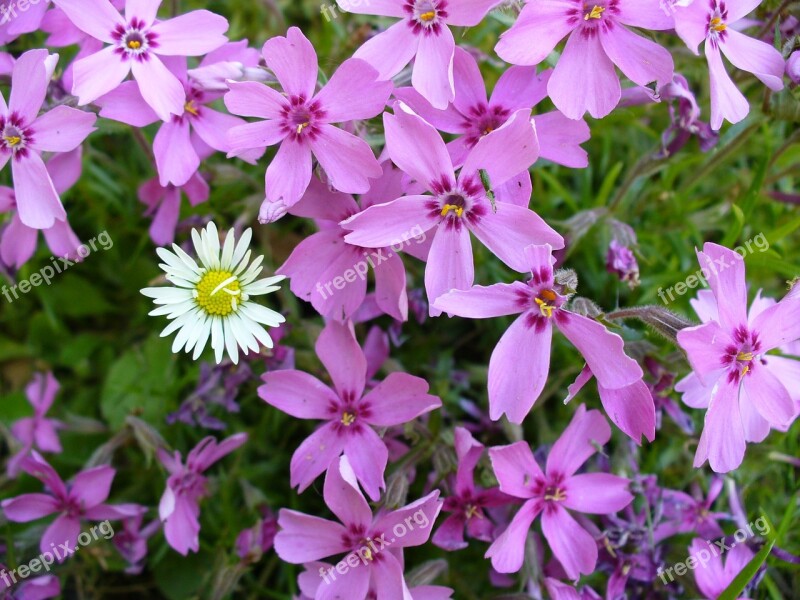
(214, 299)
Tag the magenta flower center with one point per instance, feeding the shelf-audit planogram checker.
(135, 41)
(457, 204)
(589, 15)
(717, 28)
(743, 355)
(553, 493)
(482, 121)
(301, 119)
(426, 17)
(14, 136)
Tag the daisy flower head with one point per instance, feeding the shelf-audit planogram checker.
(213, 299)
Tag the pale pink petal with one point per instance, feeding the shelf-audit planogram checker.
(778, 325)
(390, 50)
(38, 203)
(125, 104)
(520, 87)
(722, 441)
(99, 74)
(468, 13)
(289, 173)
(62, 533)
(705, 305)
(29, 82)
(191, 34)
(586, 431)
(176, 158)
(518, 189)
(704, 346)
(182, 527)
(382, 225)
(516, 469)
(597, 493)
(450, 265)
(162, 229)
(416, 148)
(91, 487)
(297, 394)
(756, 427)
(254, 135)
(710, 578)
(632, 409)
(433, 68)
(29, 507)
(253, 99)
(353, 584)
(343, 358)
(382, 8)
(469, 87)
(518, 368)
(145, 10)
(727, 102)
(645, 14)
(756, 57)
(695, 393)
(425, 509)
(159, 87)
(314, 455)
(641, 60)
(353, 93)
(390, 288)
(368, 456)
(604, 351)
(575, 89)
(388, 579)
(509, 230)
(571, 544)
(98, 18)
(347, 160)
(724, 270)
(539, 27)
(321, 202)
(691, 23)
(448, 120)
(769, 396)
(294, 62)
(738, 9)
(508, 550)
(481, 302)
(303, 538)
(560, 139)
(398, 399)
(18, 243)
(343, 496)
(787, 370)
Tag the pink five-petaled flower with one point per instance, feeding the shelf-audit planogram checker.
(424, 32)
(37, 432)
(136, 42)
(552, 491)
(83, 499)
(713, 21)
(179, 509)
(467, 503)
(24, 136)
(472, 115)
(728, 355)
(350, 414)
(376, 542)
(584, 78)
(300, 121)
(457, 205)
(713, 577)
(520, 362)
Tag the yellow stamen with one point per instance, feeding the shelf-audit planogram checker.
(459, 210)
(744, 356)
(558, 495)
(302, 126)
(428, 16)
(348, 419)
(134, 44)
(717, 24)
(597, 12)
(609, 547)
(12, 140)
(544, 308)
(191, 108)
(473, 511)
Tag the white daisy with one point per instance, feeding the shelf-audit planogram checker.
(214, 299)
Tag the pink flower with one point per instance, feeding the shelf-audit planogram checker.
(24, 136)
(350, 414)
(584, 78)
(468, 502)
(520, 362)
(472, 116)
(714, 21)
(83, 499)
(179, 508)
(552, 491)
(234, 60)
(17, 18)
(713, 577)
(37, 432)
(457, 205)
(164, 205)
(376, 542)
(136, 44)
(37, 588)
(318, 264)
(424, 33)
(300, 121)
(728, 354)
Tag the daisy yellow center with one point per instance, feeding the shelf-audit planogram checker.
(348, 419)
(218, 293)
(717, 24)
(596, 13)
